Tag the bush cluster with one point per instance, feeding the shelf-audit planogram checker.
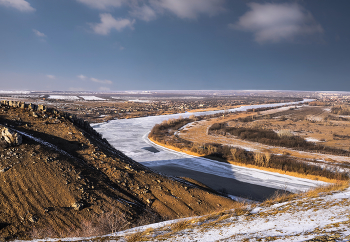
(270, 137)
(341, 110)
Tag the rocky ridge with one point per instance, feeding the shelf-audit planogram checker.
(57, 174)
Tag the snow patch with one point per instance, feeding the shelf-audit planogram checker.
(61, 97)
(139, 101)
(92, 98)
(310, 139)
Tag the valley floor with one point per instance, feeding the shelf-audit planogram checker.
(130, 137)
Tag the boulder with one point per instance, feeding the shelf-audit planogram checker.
(32, 106)
(8, 138)
(77, 206)
(41, 107)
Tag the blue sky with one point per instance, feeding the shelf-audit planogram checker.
(102, 45)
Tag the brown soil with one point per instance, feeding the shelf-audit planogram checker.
(41, 183)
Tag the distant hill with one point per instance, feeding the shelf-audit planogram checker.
(59, 178)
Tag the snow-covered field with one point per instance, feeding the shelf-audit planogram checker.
(139, 101)
(92, 98)
(14, 92)
(130, 136)
(62, 97)
(310, 139)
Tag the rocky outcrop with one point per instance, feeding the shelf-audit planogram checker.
(77, 206)
(9, 138)
(43, 111)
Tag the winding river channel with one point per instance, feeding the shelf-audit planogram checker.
(130, 137)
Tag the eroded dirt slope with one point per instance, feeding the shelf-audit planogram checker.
(64, 174)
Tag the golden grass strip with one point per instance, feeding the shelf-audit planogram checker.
(289, 173)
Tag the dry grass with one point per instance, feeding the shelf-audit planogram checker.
(179, 226)
(138, 236)
(213, 220)
(279, 197)
(289, 173)
(316, 192)
(328, 189)
(141, 235)
(219, 219)
(174, 148)
(174, 228)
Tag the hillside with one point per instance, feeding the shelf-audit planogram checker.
(319, 215)
(63, 179)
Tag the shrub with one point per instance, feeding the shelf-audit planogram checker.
(285, 133)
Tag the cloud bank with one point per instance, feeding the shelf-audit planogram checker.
(277, 22)
(20, 5)
(189, 9)
(148, 10)
(108, 23)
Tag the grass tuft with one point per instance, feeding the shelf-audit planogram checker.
(138, 236)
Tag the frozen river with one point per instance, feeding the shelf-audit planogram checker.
(130, 137)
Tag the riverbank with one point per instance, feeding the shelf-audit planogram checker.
(288, 173)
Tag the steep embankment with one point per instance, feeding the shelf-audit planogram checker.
(64, 179)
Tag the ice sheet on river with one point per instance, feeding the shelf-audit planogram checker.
(130, 137)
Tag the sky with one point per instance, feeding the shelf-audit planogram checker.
(117, 45)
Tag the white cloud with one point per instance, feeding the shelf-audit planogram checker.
(276, 22)
(103, 4)
(144, 12)
(108, 23)
(82, 77)
(101, 81)
(20, 5)
(38, 33)
(50, 76)
(148, 10)
(189, 8)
